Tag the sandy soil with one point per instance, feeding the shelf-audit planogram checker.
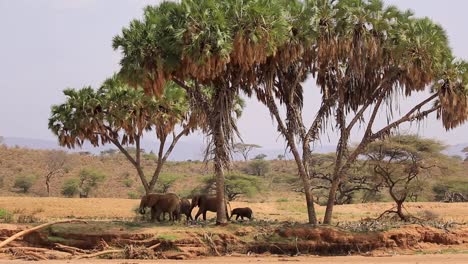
(294, 210)
(426, 259)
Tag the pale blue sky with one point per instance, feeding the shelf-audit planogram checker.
(49, 45)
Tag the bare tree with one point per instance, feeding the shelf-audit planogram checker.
(55, 165)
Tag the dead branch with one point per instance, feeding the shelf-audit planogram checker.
(105, 252)
(155, 246)
(72, 250)
(27, 231)
(212, 244)
(23, 248)
(35, 255)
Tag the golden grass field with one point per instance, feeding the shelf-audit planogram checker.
(46, 208)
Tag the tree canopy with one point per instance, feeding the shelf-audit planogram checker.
(361, 53)
(119, 114)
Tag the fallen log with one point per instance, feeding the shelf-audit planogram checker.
(27, 231)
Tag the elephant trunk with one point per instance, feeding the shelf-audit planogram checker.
(142, 210)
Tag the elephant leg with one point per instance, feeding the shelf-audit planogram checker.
(158, 215)
(198, 214)
(204, 215)
(153, 214)
(237, 217)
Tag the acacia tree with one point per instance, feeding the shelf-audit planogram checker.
(359, 180)
(120, 115)
(245, 149)
(403, 162)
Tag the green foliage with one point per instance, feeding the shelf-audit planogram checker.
(165, 182)
(89, 179)
(260, 157)
(5, 216)
(282, 200)
(24, 182)
(150, 156)
(70, 187)
(133, 195)
(441, 188)
(235, 185)
(128, 182)
(244, 149)
(258, 167)
(109, 152)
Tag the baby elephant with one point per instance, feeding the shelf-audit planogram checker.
(241, 212)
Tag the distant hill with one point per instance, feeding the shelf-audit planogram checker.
(184, 150)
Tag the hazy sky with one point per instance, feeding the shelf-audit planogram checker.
(49, 45)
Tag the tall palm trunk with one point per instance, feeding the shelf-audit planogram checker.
(219, 151)
(305, 181)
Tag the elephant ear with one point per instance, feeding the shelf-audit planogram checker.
(144, 201)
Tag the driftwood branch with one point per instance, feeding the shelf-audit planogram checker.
(105, 252)
(25, 232)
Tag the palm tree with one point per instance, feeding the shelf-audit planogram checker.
(204, 45)
(375, 54)
(121, 115)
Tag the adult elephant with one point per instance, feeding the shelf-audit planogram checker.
(161, 203)
(186, 208)
(205, 203)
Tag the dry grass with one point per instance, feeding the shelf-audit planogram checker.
(123, 209)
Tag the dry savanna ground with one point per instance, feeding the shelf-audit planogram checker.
(48, 208)
(115, 220)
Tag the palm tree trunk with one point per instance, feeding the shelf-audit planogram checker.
(327, 219)
(219, 141)
(305, 181)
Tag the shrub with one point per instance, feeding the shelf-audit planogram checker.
(89, 179)
(6, 216)
(128, 182)
(70, 187)
(24, 182)
(258, 167)
(260, 157)
(235, 185)
(133, 195)
(165, 182)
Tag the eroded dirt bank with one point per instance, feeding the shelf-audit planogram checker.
(403, 259)
(145, 241)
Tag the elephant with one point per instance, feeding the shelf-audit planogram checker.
(186, 209)
(205, 203)
(161, 203)
(242, 212)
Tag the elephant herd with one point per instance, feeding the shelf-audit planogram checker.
(162, 203)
